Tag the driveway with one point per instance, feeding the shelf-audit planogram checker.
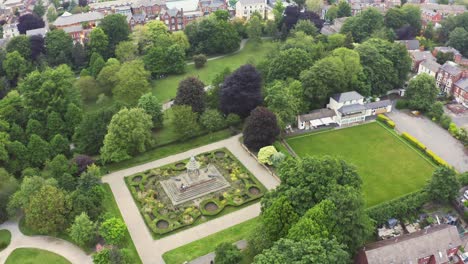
(151, 250)
(460, 119)
(433, 136)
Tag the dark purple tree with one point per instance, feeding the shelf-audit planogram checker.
(191, 92)
(29, 21)
(83, 2)
(261, 128)
(292, 14)
(405, 32)
(82, 162)
(312, 17)
(37, 46)
(241, 91)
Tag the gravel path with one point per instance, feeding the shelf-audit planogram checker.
(59, 246)
(151, 250)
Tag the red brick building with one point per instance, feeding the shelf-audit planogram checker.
(173, 18)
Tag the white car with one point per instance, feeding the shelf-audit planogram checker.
(465, 194)
(464, 257)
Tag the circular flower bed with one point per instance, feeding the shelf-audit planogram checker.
(162, 224)
(137, 178)
(254, 190)
(211, 207)
(220, 154)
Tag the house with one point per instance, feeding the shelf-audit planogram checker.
(10, 30)
(412, 44)
(433, 245)
(448, 74)
(68, 20)
(77, 33)
(38, 31)
(136, 19)
(460, 90)
(443, 10)
(173, 19)
(209, 6)
(333, 28)
(343, 109)
(457, 56)
(151, 8)
(245, 8)
(430, 67)
(428, 15)
(418, 56)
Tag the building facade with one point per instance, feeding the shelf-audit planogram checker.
(245, 8)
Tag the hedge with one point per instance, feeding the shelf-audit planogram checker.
(399, 208)
(387, 121)
(436, 158)
(413, 141)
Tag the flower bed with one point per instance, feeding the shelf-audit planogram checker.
(162, 217)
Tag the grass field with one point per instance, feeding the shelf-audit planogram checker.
(5, 238)
(208, 244)
(165, 89)
(388, 166)
(35, 256)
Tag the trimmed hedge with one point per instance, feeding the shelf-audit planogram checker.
(399, 208)
(387, 121)
(413, 141)
(438, 160)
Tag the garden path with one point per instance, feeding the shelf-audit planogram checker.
(59, 246)
(151, 250)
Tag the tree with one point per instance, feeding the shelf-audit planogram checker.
(15, 66)
(265, 153)
(78, 56)
(37, 46)
(28, 188)
(186, 121)
(332, 13)
(88, 88)
(458, 39)
(199, 60)
(82, 163)
(191, 92)
(279, 218)
(39, 9)
(116, 28)
(8, 186)
(59, 46)
(212, 120)
(422, 92)
(129, 132)
(306, 251)
(307, 27)
(107, 78)
(20, 44)
(395, 18)
(254, 29)
(241, 91)
(179, 38)
(314, 5)
(132, 82)
(212, 95)
(344, 9)
(160, 60)
(152, 107)
(113, 230)
(59, 145)
(29, 21)
(364, 24)
(280, 67)
(226, 253)
(436, 111)
(444, 185)
(96, 63)
(443, 57)
(72, 118)
(126, 51)
(55, 124)
(261, 128)
(51, 14)
(278, 10)
(286, 100)
(83, 230)
(98, 42)
(47, 210)
(39, 151)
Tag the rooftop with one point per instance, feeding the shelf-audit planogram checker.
(447, 49)
(350, 109)
(348, 96)
(186, 5)
(69, 19)
(379, 104)
(412, 44)
(251, 2)
(451, 67)
(431, 65)
(411, 247)
(317, 114)
(463, 84)
(418, 55)
(72, 29)
(37, 31)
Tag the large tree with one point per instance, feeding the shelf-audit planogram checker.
(152, 107)
(98, 42)
(458, 39)
(15, 66)
(113, 230)
(422, 92)
(191, 92)
(261, 128)
(279, 218)
(29, 21)
(21, 44)
(364, 24)
(8, 186)
(186, 121)
(241, 91)
(444, 185)
(39, 151)
(288, 63)
(286, 100)
(83, 230)
(59, 46)
(132, 82)
(129, 133)
(227, 253)
(37, 44)
(116, 28)
(165, 60)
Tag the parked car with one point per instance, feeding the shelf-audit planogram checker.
(465, 194)
(464, 257)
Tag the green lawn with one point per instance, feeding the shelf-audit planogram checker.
(110, 207)
(388, 166)
(5, 238)
(35, 256)
(208, 244)
(165, 89)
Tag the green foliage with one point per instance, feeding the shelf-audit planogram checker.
(445, 121)
(83, 230)
(107, 78)
(286, 100)
(15, 66)
(98, 42)
(96, 63)
(152, 107)
(161, 60)
(279, 218)
(8, 186)
(233, 120)
(39, 9)
(387, 121)
(39, 151)
(458, 39)
(436, 111)
(199, 60)
(21, 44)
(444, 185)
(113, 230)
(186, 122)
(265, 154)
(29, 187)
(212, 120)
(422, 92)
(129, 132)
(126, 51)
(254, 29)
(59, 47)
(363, 25)
(88, 88)
(344, 9)
(288, 64)
(413, 141)
(59, 145)
(227, 254)
(102, 257)
(116, 28)
(453, 129)
(132, 82)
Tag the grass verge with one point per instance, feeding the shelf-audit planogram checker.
(5, 239)
(35, 256)
(208, 244)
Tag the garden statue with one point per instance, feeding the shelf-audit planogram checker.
(193, 168)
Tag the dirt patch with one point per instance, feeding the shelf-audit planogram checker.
(162, 224)
(211, 207)
(254, 190)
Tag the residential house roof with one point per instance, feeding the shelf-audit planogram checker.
(252, 2)
(110, 4)
(73, 29)
(37, 31)
(463, 84)
(69, 19)
(333, 28)
(451, 67)
(418, 55)
(447, 49)
(409, 248)
(139, 18)
(353, 108)
(186, 5)
(379, 104)
(316, 114)
(432, 65)
(348, 96)
(443, 8)
(146, 3)
(412, 44)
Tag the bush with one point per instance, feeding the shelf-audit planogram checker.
(233, 119)
(401, 104)
(199, 60)
(445, 121)
(436, 158)
(212, 120)
(463, 178)
(453, 129)
(265, 153)
(436, 111)
(113, 230)
(390, 124)
(413, 141)
(382, 117)
(227, 254)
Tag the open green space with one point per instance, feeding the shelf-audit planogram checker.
(110, 207)
(5, 238)
(208, 244)
(166, 89)
(35, 256)
(388, 166)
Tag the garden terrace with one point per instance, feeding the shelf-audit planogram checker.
(163, 215)
(389, 166)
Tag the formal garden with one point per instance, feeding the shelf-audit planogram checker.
(388, 165)
(193, 191)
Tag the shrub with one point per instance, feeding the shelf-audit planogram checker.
(277, 158)
(413, 141)
(102, 257)
(463, 178)
(199, 60)
(227, 253)
(265, 154)
(436, 158)
(113, 230)
(212, 120)
(401, 104)
(382, 117)
(390, 124)
(453, 129)
(233, 119)
(436, 111)
(445, 121)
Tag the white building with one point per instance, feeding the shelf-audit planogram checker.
(10, 30)
(343, 109)
(245, 8)
(430, 67)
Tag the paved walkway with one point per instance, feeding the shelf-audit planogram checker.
(433, 136)
(61, 247)
(151, 250)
